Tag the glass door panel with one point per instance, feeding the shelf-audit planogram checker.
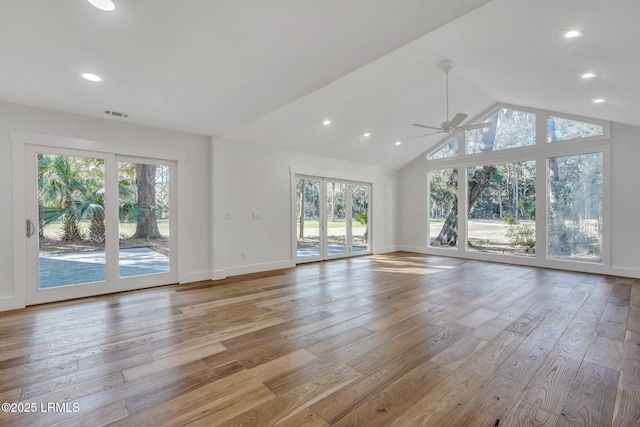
(332, 218)
(308, 219)
(359, 218)
(336, 224)
(144, 218)
(71, 220)
(96, 223)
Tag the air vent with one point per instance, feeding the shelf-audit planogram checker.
(116, 114)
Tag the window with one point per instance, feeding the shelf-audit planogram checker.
(443, 208)
(509, 129)
(449, 150)
(505, 167)
(574, 208)
(559, 129)
(502, 208)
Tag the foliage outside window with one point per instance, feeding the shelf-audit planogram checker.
(360, 216)
(509, 129)
(336, 213)
(449, 150)
(559, 129)
(574, 208)
(502, 208)
(71, 194)
(443, 208)
(501, 197)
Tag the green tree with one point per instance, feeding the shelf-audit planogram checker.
(61, 190)
(146, 225)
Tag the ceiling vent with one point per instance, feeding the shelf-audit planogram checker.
(116, 114)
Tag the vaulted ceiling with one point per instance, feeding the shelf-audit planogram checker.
(271, 72)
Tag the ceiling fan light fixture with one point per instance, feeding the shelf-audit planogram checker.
(572, 34)
(450, 127)
(106, 5)
(91, 77)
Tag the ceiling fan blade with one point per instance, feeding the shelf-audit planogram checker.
(425, 126)
(457, 119)
(432, 133)
(476, 126)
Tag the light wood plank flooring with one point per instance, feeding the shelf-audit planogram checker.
(391, 340)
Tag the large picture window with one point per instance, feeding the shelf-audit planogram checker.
(502, 205)
(443, 208)
(508, 170)
(509, 129)
(574, 208)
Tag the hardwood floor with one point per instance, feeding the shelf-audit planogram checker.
(390, 340)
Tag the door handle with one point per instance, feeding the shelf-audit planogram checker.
(31, 228)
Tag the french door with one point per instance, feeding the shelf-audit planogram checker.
(96, 223)
(332, 218)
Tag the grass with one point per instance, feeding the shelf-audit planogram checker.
(330, 224)
(125, 229)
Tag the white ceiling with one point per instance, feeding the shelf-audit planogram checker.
(270, 72)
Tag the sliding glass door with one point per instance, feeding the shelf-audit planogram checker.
(308, 230)
(336, 218)
(96, 223)
(331, 218)
(144, 218)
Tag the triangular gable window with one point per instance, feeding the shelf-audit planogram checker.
(448, 150)
(509, 129)
(559, 129)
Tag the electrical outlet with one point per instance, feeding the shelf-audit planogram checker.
(244, 255)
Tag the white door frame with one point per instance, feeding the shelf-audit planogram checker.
(21, 143)
(323, 229)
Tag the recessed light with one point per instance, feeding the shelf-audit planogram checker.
(326, 122)
(367, 134)
(91, 77)
(598, 100)
(588, 75)
(572, 34)
(398, 143)
(106, 5)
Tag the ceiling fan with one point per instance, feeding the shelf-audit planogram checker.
(451, 126)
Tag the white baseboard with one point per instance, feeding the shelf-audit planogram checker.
(11, 303)
(218, 275)
(257, 268)
(195, 276)
(625, 272)
(385, 250)
(406, 248)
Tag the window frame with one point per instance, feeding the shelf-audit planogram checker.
(539, 152)
(428, 207)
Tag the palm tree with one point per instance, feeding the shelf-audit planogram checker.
(60, 190)
(92, 206)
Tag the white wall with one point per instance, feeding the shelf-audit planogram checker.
(253, 178)
(196, 150)
(412, 226)
(625, 199)
(625, 205)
